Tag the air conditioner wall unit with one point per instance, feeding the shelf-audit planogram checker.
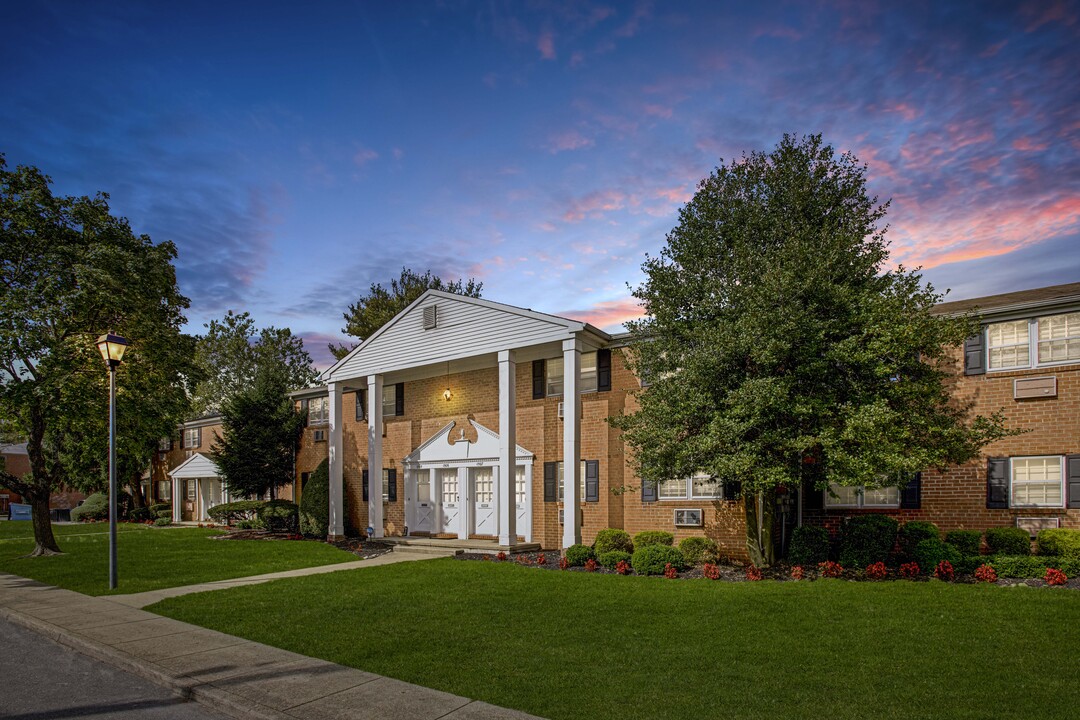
(560, 410)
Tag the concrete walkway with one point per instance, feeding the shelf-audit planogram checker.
(232, 676)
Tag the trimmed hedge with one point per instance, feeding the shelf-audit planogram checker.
(930, 552)
(163, 521)
(280, 516)
(160, 510)
(968, 542)
(1060, 542)
(699, 550)
(610, 539)
(913, 533)
(315, 503)
(653, 537)
(578, 555)
(139, 514)
(95, 507)
(651, 559)
(231, 513)
(1033, 566)
(612, 558)
(809, 546)
(867, 539)
(1008, 541)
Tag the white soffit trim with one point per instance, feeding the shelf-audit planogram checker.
(196, 466)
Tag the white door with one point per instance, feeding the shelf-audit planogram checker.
(425, 507)
(483, 492)
(521, 502)
(451, 500)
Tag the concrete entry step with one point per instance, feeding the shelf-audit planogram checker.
(456, 547)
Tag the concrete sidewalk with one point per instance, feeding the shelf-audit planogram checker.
(233, 676)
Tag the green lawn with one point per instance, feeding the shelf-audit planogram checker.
(151, 558)
(572, 645)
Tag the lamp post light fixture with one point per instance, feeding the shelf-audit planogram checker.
(112, 351)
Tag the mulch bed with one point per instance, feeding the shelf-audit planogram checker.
(737, 573)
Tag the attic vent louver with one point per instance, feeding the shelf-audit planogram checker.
(431, 316)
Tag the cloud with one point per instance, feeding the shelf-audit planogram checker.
(607, 315)
(363, 156)
(594, 204)
(546, 45)
(568, 140)
(317, 345)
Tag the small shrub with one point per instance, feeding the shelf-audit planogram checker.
(591, 565)
(95, 507)
(830, 569)
(809, 545)
(711, 571)
(250, 525)
(753, 573)
(670, 572)
(968, 542)
(139, 514)
(1033, 566)
(913, 533)
(877, 571)
(541, 559)
(1054, 576)
(699, 550)
(651, 559)
(1060, 543)
(866, 539)
(231, 513)
(161, 509)
(612, 558)
(1008, 541)
(281, 516)
(578, 555)
(653, 537)
(163, 521)
(986, 573)
(563, 563)
(944, 571)
(797, 572)
(610, 539)
(968, 564)
(315, 503)
(622, 567)
(909, 570)
(501, 556)
(930, 552)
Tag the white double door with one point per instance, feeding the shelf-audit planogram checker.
(463, 501)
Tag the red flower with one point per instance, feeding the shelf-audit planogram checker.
(622, 567)
(797, 572)
(944, 571)
(986, 573)
(711, 571)
(541, 559)
(1055, 577)
(501, 556)
(830, 569)
(877, 571)
(753, 573)
(563, 563)
(909, 570)
(670, 572)
(590, 565)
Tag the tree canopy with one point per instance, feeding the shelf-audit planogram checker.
(781, 347)
(233, 353)
(381, 304)
(69, 272)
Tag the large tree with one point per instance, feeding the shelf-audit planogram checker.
(381, 304)
(233, 353)
(70, 271)
(260, 430)
(782, 348)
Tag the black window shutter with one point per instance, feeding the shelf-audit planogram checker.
(975, 355)
(399, 399)
(198, 438)
(304, 411)
(648, 491)
(603, 370)
(1072, 475)
(813, 497)
(551, 481)
(592, 481)
(361, 405)
(539, 379)
(366, 497)
(391, 484)
(303, 479)
(997, 483)
(732, 488)
(911, 494)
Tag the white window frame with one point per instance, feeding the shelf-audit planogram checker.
(164, 489)
(581, 496)
(386, 485)
(191, 438)
(553, 381)
(688, 491)
(164, 444)
(1033, 325)
(1061, 475)
(860, 495)
(389, 406)
(319, 411)
(686, 523)
(191, 492)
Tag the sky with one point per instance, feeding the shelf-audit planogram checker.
(295, 153)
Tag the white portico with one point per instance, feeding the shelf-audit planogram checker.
(441, 332)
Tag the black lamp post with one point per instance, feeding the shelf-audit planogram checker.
(112, 351)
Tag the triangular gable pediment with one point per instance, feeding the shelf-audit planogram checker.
(196, 466)
(463, 327)
(442, 447)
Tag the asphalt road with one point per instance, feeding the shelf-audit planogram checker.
(41, 680)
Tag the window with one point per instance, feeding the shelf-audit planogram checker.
(318, 411)
(361, 405)
(862, 496)
(520, 489)
(386, 485)
(164, 444)
(1048, 340)
(192, 437)
(554, 370)
(319, 436)
(389, 400)
(701, 485)
(688, 518)
(581, 484)
(1037, 482)
(164, 490)
(191, 489)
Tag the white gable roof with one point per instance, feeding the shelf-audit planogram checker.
(439, 448)
(196, 466)
(466, 327)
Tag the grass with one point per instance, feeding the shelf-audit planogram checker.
(151, 558)
(572, 645)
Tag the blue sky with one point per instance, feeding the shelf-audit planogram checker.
(296, 153)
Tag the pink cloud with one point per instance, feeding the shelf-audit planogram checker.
(607, 313)
(568, 140)
(595, 204)
(1026, 144)
(546, 45)
(904, 110)
(777, 31)
(658, 111)
(363, 156)
(1041, 12)
(631, 27)
(678, 195)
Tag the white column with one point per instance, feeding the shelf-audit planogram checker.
(465, 503)
(178, 497)
(507, 448)
(336, 526)
(374, 457)
(571, 441)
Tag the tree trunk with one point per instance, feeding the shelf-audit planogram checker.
(44, 541)
(137, 497)
(760, 514)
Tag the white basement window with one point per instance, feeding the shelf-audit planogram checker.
(1037, 482)
(688, 518)
(862, 496)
